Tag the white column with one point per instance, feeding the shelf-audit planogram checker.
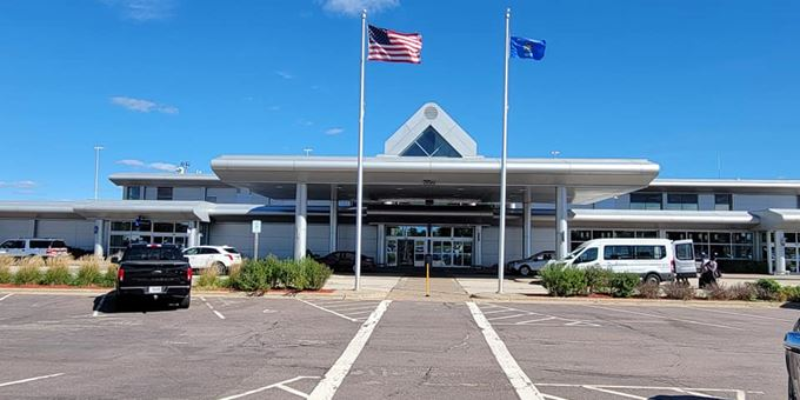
(562, 248)
(770, 261)
(527, 230)
(780, 253)
(334, 220)
(191, 233)
(381, 244)
(300, 223)
(98, 238)
(477, 248)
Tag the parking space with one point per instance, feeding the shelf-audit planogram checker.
(260, 349)
(646, 352)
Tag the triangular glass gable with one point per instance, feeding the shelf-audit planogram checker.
(430, 144)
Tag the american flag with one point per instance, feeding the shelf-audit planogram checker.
(388, 45)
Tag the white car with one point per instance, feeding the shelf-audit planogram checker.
(531, 264)
(219, 257)
(34, 247)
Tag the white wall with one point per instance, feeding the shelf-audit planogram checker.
(275, 238)
(187, 193)
(76, 233)
(369, 239)
(15, 228)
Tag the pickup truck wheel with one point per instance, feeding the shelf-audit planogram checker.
(221, 268)
(186, 301)
(524, 270)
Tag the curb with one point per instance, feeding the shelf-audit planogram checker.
(521, 298)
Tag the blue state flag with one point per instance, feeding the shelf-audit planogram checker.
(527, 48)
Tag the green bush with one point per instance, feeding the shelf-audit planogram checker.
(679, 291)
(254, 276)
(28, 275)
(209, 278)
(109, 279)
(790, 293)
(5, 274)
(316, 273)
(88, 275)
(290, 275)
(768, 289)
(563, 281)
(57, 274)
(623, 284)
(598, 279)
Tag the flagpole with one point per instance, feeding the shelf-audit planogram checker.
(360, 185)
(501, 262)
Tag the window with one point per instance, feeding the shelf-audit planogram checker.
(723, 202)
(13, 244)
(650, 252)
(645, 201)
(682, 202)
(431, 144)
(618, 253)
(684, 252)
(133, 193)
(588, 256)
(40, 244)
(191, 252)
(164, 193)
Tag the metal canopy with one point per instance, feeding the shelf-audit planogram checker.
(780, 219)
(663, 218)
(587, 180)
(148, 209)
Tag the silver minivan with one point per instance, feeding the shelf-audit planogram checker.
(656, 260)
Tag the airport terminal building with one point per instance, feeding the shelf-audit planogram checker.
(430, 191)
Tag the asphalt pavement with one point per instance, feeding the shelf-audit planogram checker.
(85, 347)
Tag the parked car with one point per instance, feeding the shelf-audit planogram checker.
(34, 247)
(532, 264)
(156, 271)
(346, 261)
(791, 343)
(221, 258)
(656, 260)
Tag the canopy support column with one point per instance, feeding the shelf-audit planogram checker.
(780, 253)
(562, 249)
(770, 261)
(98, 238)
(300, 221)
(527, 225)
(334, 220)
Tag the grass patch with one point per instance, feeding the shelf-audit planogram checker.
(59, 261)
(5, 274)
(88, 275)
(7, 261)
(57, 275)
(209, 278)
(28, 275)
(35, 261)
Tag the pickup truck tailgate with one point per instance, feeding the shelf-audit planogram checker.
(150, 273)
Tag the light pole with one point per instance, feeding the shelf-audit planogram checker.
(308, 150)
(97, 171)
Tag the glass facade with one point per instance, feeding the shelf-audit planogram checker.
(734, 245)
(123, 233)
(578, 236)
(449, 246)
(431, 144)
(646, 201)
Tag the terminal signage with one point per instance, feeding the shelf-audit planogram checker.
(256, 226)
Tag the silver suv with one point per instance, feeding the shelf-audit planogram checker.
(34, 247)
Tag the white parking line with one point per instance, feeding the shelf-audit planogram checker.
(210, 307)
(35, 378)
(329, 311)
(688, 321)
(96, 311)
(281, 385)
(741, 314)
(521, 383)
(335, 376)
(617, 390)
(6, 296)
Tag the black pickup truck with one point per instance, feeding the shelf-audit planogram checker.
(156, 271)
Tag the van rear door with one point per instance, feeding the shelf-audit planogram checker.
(684, 258)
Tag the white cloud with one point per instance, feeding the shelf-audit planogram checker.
(354, 7)
(284, 75)
(131, 163)
(25, 184)
(162, 166)
(139, 164)
(334, 131)
(143, 10)
(144, 106)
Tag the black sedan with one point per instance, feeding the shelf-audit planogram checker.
(346, 261)
(792, 345)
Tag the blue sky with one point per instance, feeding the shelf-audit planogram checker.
(679, 82)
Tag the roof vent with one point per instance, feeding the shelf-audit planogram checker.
(431, 112)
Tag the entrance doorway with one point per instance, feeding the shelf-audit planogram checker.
(449, 246)
(405, 253)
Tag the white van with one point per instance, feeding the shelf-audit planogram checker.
(656, 260)
(34, 247)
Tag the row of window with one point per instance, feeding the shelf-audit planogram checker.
(136, 193)
(677, 201)
(727, 245)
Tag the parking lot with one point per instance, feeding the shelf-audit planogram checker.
(83, 346)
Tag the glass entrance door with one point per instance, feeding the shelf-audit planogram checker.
(405, 253)
(449, 246)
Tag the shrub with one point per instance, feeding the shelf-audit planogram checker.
(649, 290)
(7, 261)
(57, 275)
(679, 291)
(768, 289)
(790, 293)
(598, 279)
(743, 292)
(255, 276)
(28, 275)
(35, 261)
(563, 281)
(209, 278)
(623, 284)
(718, 292)
(316, 273)
(5, 274)
(233, 276)
(291, 275)
(89, 260)
(88, 275)
(109, 279)
(59, 261)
